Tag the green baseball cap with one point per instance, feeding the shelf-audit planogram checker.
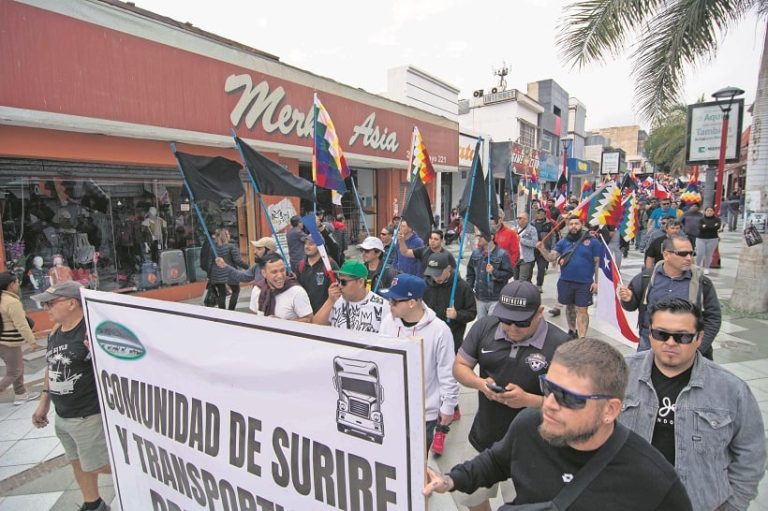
(353, 268)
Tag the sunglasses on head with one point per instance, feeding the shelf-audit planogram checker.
(565, 397)
(521, 324)
(679, 337)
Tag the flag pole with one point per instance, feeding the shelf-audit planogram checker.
(396, 233)
(261, 201)
(491, 196)
(194, 203)
(565, 217)
(359, 206)
(466, 219)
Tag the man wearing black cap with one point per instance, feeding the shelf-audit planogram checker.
(439, 276)
(512, 346)
(71, 385)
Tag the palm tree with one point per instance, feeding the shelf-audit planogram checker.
(666, 143)
(670, 35)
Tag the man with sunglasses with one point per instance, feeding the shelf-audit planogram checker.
(411, 317)
(512, 347)
(676, 276)
(350, 305)
(544, 450)
(701, 417)
(386, 236)
(71, 385)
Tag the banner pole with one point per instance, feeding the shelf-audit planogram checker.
(466, 219)
(194, 203)
(395, 235)
(261, 202)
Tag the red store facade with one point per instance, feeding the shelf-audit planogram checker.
(93, 92)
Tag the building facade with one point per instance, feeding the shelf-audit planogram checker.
(93, 92)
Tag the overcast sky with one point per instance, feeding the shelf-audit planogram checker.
(458, 41)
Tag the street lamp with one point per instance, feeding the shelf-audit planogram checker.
(726, 96)
(566, 144)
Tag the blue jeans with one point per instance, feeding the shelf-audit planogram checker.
(485, 308)
(645, 342)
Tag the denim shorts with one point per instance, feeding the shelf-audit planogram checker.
(574, 293)
(83, 439)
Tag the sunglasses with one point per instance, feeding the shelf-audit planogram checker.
(679, 337)
(565, 397)
(344, 282)
(395, 302)
(521, 324)
(683, 253)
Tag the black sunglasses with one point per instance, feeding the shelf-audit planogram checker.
(565, 397)
(520, 324)
(679, 337)
(683, 253)
(344, 282)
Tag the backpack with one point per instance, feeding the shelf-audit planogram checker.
(695, 290)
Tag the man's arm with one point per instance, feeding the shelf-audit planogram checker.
(747, 452)
(323, 314)
(40, 416)
(466, 305)
(402, 246)
(505, 270)
(449, 388)
(470, 272)
(549, 255)
(593, 287)
(711, 312)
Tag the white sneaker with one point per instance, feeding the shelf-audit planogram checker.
(20, 399)
(706, 272)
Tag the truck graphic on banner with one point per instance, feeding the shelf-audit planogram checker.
(360, 395)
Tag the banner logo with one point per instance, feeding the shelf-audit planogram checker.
(118, 341)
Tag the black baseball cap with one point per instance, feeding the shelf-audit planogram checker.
(519, 300)
(436, 263)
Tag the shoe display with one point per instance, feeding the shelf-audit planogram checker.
(456, 414)
(438, 441)
(20, 399)
(554, 311)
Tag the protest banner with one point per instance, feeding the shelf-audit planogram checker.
(220, 410)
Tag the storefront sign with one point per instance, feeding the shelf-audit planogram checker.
(705, 123)
(578, 167)
(610, 162)
(466, 150)
(238, 411)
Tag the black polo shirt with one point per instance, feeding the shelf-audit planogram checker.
(315, 281)
(519, 363)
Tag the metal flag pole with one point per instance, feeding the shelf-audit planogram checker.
(249, 171)
(194, 203)
(395, 234)
(466, 220)
(360, 206)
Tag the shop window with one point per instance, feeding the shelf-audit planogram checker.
(111, 233)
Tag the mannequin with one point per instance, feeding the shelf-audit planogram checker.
(60, 272)
(155, 233)
(37, 275)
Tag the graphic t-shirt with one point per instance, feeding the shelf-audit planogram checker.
(364, 316)
(71, 381)
(667, 390)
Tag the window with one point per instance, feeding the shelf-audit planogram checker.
(546, 143)
(527, 135)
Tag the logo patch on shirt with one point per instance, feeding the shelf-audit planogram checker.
(586, 243)
(537, 362)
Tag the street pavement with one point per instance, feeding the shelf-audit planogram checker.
(35, 477)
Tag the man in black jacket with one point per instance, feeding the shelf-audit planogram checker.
(439, 276)
(543, 451)
(674, 277)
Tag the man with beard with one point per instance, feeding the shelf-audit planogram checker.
(674, 277)
(278, 294)
(350, 305)
(511, 348)
(720, 459)
(544, 452)
(261, 248)
(579, 257)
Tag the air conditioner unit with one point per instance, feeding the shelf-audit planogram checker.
(478, 93)
(494, 90)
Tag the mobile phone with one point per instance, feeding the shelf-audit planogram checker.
(496, 388)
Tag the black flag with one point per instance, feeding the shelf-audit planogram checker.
(478, 202)
(273, 179)
(418, 211)
(209, 178)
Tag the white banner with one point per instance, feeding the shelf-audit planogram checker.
(220, 410)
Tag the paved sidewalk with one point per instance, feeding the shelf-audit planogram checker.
(35, 477)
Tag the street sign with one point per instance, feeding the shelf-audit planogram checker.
(610, 163)
(705, 122)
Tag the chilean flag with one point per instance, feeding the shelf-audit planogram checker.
(608, 308)
(661, 192)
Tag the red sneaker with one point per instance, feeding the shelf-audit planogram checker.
(438, 441)
(456, 414)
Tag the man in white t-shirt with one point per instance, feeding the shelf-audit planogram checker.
(350, 305)
(279, 295)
